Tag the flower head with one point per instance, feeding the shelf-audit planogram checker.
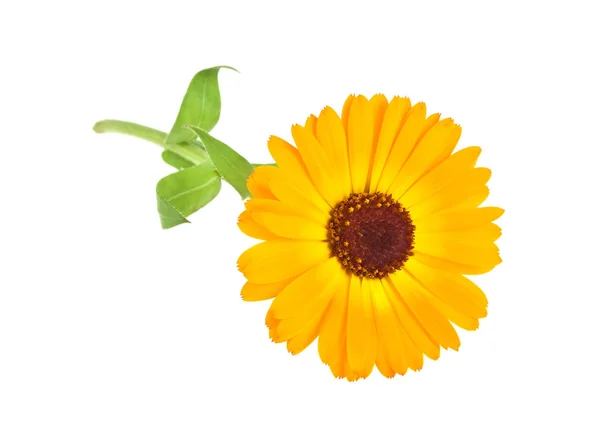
(369, 225)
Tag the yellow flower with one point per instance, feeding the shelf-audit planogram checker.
(369, 225)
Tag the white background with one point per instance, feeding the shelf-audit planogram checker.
(108, 323)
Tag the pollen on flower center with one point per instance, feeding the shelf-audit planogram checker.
(372, 235)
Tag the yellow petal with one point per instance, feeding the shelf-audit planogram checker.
(292, 227)
(394, 343)
(253, 229)
(302, 340)
(271, 323)
(456, 317)
(480, 255)
(258, 292)
(439, 177)
(314, 310)
(462, 188)
(411, 325)
(481, 235)
(436, 146)
(434, 323)
(300, 197)
(305, 289)
(311, 124)
(452, 266)
(258, 205)
(350, 374)
(378, 105)
(332, 338)
(360, 142)
(292, 327)
(458, 219)
(346, 112)
(293, 171)
(382, 365)
(477, 197)
(451, 313)
(332, 136)
(270, 320)
(258, 182)
(455, 290)
(310, 332)
(392, 122)
(407, 138)
(361, 337)
(319, 166)
(277, 260)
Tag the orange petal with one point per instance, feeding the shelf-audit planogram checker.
(407, 138)
(361, 337)
(378, 105)
(292, 171)
(305, 316)
(458, 219)
(468, 184)
(258, 182)
(277, 260)
(346, 112)
(434, 323)
(392, 122)
(311, 124)
(394, 343)
(439, 177)
(304, 338)
(360, 142)
(292, 227)
(253, 229)
(319, 166)
(258, 205)
(435, 146)
(332, 136)
(410, 323)
(332, 338)
(453, 289)
(258, 292)
(305, 289)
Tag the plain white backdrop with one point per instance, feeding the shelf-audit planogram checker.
(108, 323)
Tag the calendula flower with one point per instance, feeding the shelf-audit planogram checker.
(369, 225)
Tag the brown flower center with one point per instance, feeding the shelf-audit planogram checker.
(372, 235)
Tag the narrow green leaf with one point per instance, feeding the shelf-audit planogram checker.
(230, 164)
(182, 193)
(201, 105)
(175, 160)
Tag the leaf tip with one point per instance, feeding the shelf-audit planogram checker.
(228, 67)
(168, 225)
(98, 127)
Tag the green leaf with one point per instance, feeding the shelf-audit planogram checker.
(182, 193)
(201, 105)
(175, 160)
(230, 164)
(264, 164)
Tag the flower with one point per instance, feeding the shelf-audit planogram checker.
(369, 225)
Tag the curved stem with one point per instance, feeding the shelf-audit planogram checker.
(133, 129)
(190, 152)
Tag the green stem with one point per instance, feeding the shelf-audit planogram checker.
(188, 151)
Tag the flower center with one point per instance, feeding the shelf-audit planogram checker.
(372, 235)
